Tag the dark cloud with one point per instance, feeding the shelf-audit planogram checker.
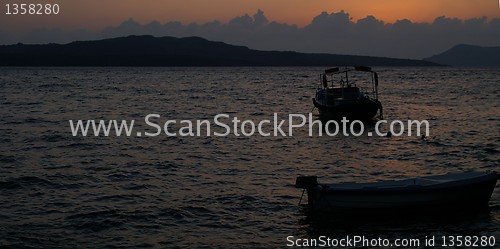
(327, 33)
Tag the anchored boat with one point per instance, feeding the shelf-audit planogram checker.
(342, 94)
(445, 192)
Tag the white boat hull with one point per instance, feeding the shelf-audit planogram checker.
(437, 192)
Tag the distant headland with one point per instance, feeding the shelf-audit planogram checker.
(468, 56)
(170, 51)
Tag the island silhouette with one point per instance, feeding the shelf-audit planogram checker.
(463, 55)
(147, 50)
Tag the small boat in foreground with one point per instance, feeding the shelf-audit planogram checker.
(445, 192)
(341, 94)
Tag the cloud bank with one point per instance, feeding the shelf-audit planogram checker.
(327, 33)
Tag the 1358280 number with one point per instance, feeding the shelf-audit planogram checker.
(32, 9)
(468, 241)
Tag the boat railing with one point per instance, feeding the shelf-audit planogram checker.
(328, 80)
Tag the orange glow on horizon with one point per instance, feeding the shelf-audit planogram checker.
(426, 10)
(98, 14)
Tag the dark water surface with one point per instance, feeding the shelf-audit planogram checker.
(60, 191)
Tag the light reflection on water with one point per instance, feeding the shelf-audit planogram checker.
(64, 191)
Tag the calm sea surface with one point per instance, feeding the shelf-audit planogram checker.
(60, 191)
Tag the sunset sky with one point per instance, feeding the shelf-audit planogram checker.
(394, 28)
(97, 14)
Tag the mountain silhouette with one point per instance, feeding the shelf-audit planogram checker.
(170, 51)
(468, 56)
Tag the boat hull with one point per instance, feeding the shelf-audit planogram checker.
(363, 111)
(462, 194)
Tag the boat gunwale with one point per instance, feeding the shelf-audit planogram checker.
(448, 185)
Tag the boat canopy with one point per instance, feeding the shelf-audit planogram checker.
(331, 70)
(363, 68)
(336, 70)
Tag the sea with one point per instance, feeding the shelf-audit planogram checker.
(63, 191)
